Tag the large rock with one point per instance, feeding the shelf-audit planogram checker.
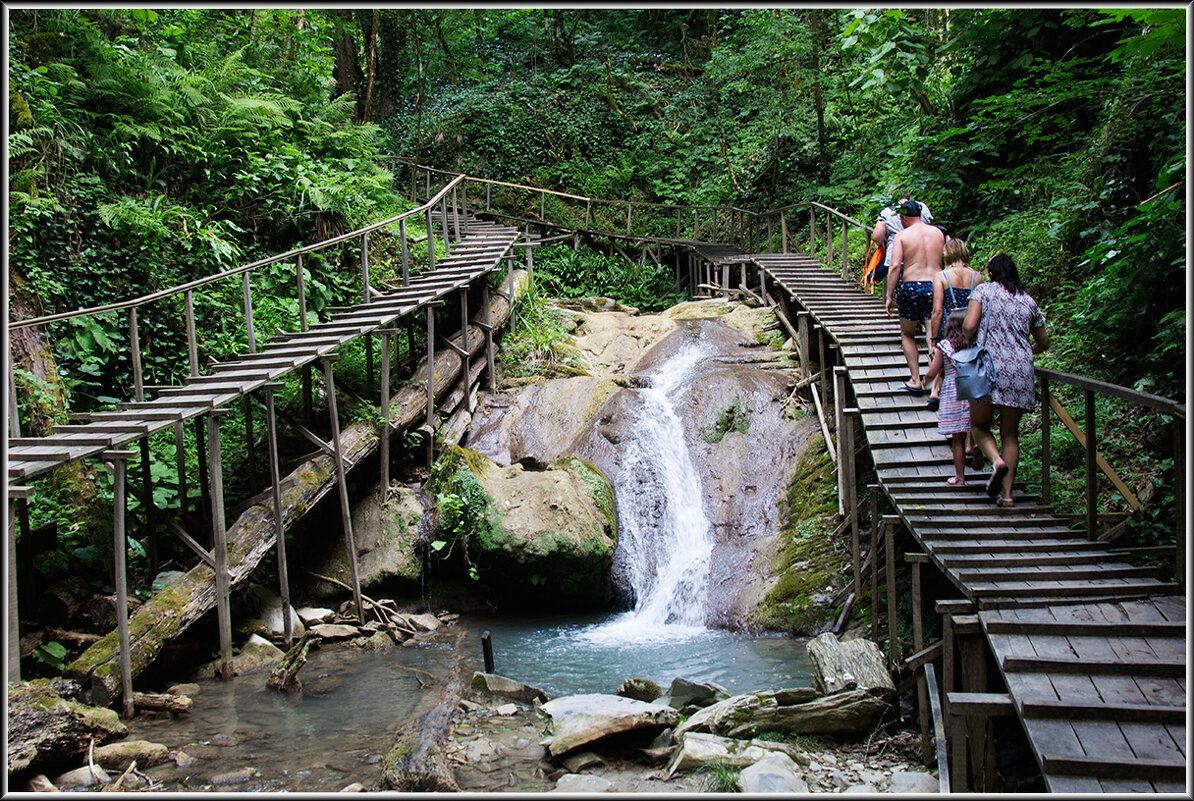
(778, 773)
(118, 756)
(683, 693)
(640, 690)
(847, 715)
(268, 606)
(577, 720)
(256, 654)
(849, 664)
(82, 778)
(541, 422)
(486, 686)
(45, 727)
(391, 531)
(913, 781)
(698, 749)
(534, 536)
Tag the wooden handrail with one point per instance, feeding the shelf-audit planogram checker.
(211, 279)
(1161, 404)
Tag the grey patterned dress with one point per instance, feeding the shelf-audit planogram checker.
(1005, 331)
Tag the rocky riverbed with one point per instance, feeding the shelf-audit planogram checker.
(502, 737)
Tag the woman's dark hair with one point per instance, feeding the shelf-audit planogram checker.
(1003, 271)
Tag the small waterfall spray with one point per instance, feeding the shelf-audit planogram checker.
(663, 532)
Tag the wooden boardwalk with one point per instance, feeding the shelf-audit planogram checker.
(479, 253)
(1092, 649)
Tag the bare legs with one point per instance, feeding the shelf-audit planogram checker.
(982, 415)
(958, 445)
(911, 352)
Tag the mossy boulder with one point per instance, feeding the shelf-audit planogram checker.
(44, 727)
(529, 535)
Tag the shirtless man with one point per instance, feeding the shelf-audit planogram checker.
(916, 255)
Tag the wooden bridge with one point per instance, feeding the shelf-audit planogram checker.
(1088, 650)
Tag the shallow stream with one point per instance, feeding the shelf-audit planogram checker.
(339, 728)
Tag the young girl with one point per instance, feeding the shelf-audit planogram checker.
(953, 415)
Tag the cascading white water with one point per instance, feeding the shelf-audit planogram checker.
(663, 533)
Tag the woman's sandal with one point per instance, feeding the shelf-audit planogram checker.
(976, 459)
(954, 481)
(1006, 503)
(995, 485)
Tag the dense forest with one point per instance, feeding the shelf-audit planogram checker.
(151, 147)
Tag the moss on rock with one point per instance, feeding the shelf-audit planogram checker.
(807, 568)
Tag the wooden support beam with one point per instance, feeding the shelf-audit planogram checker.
(1108, 471)
(119, 459)
(342, 484)
(219, 545)
(279, 522)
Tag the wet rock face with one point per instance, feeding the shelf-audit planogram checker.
(742, 446)
(390, 531)
(744, 449)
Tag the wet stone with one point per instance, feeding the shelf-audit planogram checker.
(224, 740)
(233, 777)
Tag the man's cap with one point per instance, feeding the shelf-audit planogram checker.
(910, 208)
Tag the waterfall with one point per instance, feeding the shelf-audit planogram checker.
(663, 533)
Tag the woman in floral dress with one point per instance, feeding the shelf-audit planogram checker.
(1011, 327)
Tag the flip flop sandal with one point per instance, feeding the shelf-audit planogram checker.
(976, 459)
(995, 485)
(953, 481)
(914, 390)
(933, 404)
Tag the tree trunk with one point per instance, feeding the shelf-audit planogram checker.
(417, 762)
(818, 46)
(372, 69)
(346, 69)
(172, 611)
(284, 676)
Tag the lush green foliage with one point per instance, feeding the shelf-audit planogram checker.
(582, 272)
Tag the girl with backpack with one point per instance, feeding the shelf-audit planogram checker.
(953, 415)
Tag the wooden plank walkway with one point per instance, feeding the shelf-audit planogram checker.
(479, 253)
(1092, 649)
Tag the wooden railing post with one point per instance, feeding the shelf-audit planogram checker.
(365, 298)
(302, 294)
(1092, 492)
(135, 352)
(406, 251)
(342, 484)
(248, 301)
(1179, 493)
(629, 213)
(845, 249)
(192, 340)
(430, 242)
(783, 232)
(1046, 451)
(812, 229)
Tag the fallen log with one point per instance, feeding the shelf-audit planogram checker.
(172, 611)
(162, 702)
(417, 761)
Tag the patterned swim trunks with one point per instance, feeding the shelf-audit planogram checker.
(914, 300)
